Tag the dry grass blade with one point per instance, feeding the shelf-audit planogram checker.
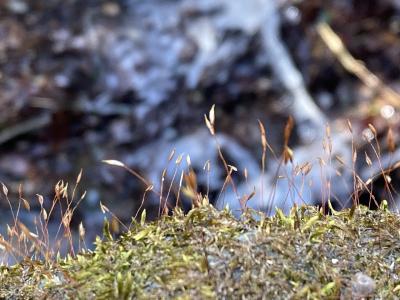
(287, 151)
(40, 199)
(328, 131)
(37, 244)
(349, 126)
(210, 120)
(288, 130)
(171, 155)
(232, 168)
(113, 162)
(211, 115)
(287, 155)
(104, 208)
(117, 163)
(179, 189)
(209, 126)
(263, 136)
(356, 67)
(179, 159)
(191, 180)
(25, 202)
(305, 168)
(207, 166)
(29, 234)
(82, 231)
(149, 188)
(264, 144)
(5, 189)
(354, 158)
(373, 130)
(243, 200)
(390, 140)
(6, 246)
(78, 179)
(44, 214)
(368, 160)
(190, 188)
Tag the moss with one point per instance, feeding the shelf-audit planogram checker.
(209, 254)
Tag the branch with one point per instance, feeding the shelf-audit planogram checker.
(32, 124)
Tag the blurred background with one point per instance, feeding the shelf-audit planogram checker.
(84, 81)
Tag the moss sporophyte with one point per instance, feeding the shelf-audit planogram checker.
(209, 254)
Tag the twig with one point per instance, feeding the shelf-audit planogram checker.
(85, 106)
(32, 124)
(304, 108)
(356, 67)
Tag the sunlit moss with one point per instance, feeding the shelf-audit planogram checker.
(208, 254)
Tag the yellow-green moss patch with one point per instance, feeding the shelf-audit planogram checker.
(208, 254)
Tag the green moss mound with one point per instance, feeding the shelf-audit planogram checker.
(208, 254)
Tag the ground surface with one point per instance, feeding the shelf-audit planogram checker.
(208, 254)
(92, 82)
